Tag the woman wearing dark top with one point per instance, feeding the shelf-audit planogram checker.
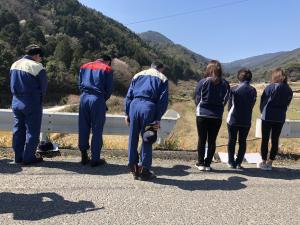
(211, 96)
(273, 106)
(240, 105)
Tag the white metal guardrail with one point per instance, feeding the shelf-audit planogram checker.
(67, 123)
(290, 129)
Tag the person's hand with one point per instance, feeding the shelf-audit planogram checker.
(157, 125)
(127, 120)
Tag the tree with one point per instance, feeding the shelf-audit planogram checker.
(63, 51)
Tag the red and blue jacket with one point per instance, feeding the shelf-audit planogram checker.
(96, 78)
(151, 85)
(211, 98)
(275, 101)
(241, 102)
(28, 78)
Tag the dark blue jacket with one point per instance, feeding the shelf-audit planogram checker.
(28, 78)
(240, 105)
(275, 101)
(211, 98)
(150, 85)
(96, 78)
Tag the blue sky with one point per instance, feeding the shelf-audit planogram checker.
(227, 33)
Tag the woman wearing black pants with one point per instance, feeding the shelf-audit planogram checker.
(273, 106)
(241, 101)
(211, 96)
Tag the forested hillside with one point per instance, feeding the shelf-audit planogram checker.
(72, 34)
(196, 62)
(262, 65)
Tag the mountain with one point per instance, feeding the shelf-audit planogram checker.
(262, 65)
(251, 62)
(72, 34)
(166, 46)
(153, 37)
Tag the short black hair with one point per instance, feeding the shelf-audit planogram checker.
(157, 65)
(106, 58)
(34, 49)
(244, 74)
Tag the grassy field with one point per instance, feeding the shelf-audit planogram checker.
(184, 136)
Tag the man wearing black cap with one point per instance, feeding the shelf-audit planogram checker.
(28, 84)
(96, 85)
(146, 102)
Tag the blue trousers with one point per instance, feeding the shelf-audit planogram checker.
(92, 111)
(141, 113)
(26, 131)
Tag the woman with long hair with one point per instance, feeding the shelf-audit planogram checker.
(273, 106)
(211, 96)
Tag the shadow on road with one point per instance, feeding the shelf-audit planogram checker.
(177, 170)
(76, 167)
(7, 166)
(232, 184)
(277, 173)
(41, 206)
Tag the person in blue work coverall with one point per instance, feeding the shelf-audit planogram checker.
(96, 85)
(274, 103)
(28, 84)
(145, 103)
(240, 105)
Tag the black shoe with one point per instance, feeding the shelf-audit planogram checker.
(231, 165)
(36, 160)
(99, 162)
(146, 174)
(239, 166)
(134, 169)
(84, 158)
(17, 161)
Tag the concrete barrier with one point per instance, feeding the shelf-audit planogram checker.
(67, 123)
(290, 129)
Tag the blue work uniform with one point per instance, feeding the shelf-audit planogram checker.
(28, 84)
(210, 99)
(96, 85)
(241, 102)
(275, 101)
(273, 106)
(145, 103)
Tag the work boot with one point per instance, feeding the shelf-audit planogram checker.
(99, 162)
(134, 169)
(84, 158)
(146, 174)
(36, 160)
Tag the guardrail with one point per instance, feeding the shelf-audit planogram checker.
(67, 123)
(290, 129)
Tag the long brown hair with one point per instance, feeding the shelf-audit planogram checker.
(278, 76)
(214, 70)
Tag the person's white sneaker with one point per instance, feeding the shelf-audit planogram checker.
(269, 165)
(208, 168)
(200, 167)
(262, 166)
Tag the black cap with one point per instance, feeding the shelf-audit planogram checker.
(150, 135)
(34, 49)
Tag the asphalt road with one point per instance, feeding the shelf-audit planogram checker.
(61, 191)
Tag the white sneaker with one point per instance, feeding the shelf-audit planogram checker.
(200, 167)
(262, 166)
(269, 165)
(208, 168)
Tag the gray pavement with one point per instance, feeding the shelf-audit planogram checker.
(61, 191)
